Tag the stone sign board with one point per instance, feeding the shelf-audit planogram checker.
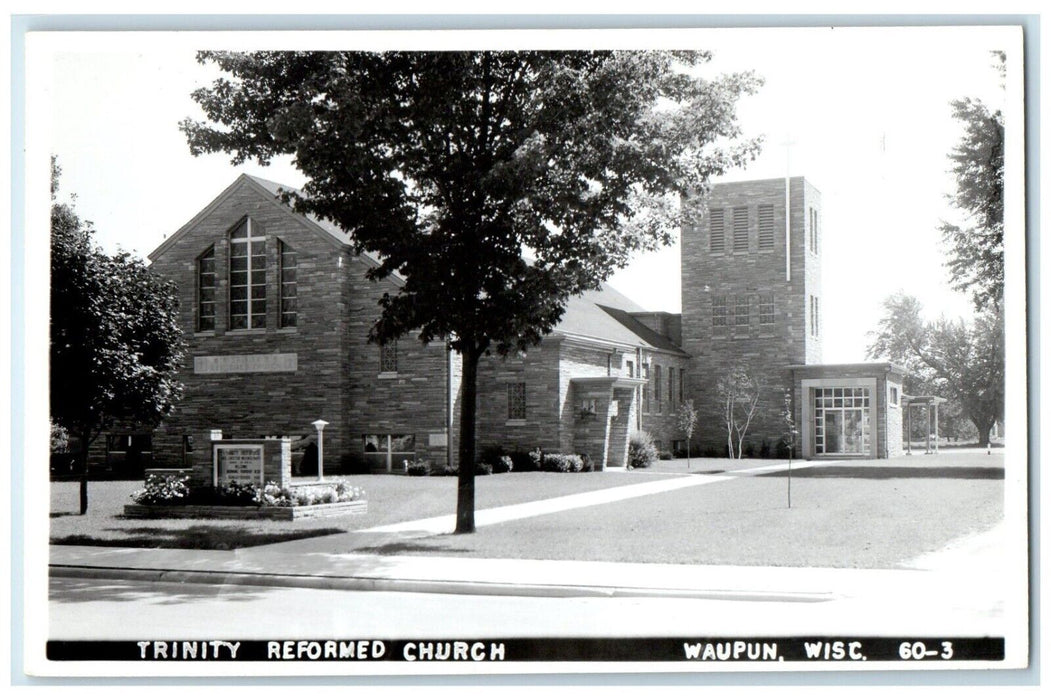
(229, 364)
(240, 463)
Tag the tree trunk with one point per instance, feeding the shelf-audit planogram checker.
(82, 467)
(465, 479)
(983, 434)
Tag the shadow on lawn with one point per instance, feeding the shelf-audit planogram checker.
(194, 537)
(848, 472)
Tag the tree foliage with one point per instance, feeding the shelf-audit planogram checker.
(115, 346)
(959, 361)
(739, 392)
(976, 245)
(686, 421)
(453, 166)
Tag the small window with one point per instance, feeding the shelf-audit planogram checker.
(720, 312)
(717, 235)
(766, 227)
(516, 401)
(389, 357)
(740, 229)
(289, 289)
(766, 309)
(894, 398)
(682, 385)
(741, 311)
(631, 368)
(206, 290)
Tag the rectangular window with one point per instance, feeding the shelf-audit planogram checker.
(741, 311)
(631, 368)
(388, 453)
(720, 312)
(766, 309)
(815, 325)
(813, 230)
(894, 399)
(657, 393)
(766, 227)
(671, 388)
(389, 357)
(516, 401)
(247, 277)
(646, 389)
(206, 290)
(682, 385)
(717, 233)
(289, 289)
(740, 229)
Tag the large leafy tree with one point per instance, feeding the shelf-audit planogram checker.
(116, 347)
(962, 362)
(455, 166)
(976, 245)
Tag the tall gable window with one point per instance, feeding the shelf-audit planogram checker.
(206, 290)
(717, 237)
(740, 229)
(247, 276)
(289, 291)
(766, 227)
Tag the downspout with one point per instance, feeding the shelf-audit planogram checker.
(449, 404)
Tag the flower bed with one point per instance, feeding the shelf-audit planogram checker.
(171, 496)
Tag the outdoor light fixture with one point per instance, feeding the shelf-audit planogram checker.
(319, 425)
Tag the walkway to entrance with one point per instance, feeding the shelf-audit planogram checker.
(447, 523)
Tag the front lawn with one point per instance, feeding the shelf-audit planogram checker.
(833, 522)
(392, 499)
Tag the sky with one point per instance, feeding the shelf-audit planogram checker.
(867, 111)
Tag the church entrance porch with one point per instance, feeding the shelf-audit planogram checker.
(604, 411)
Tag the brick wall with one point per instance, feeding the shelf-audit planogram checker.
(337, 372)
(765, 348)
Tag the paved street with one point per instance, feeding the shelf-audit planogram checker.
(105, 609)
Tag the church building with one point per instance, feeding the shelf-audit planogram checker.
(276, 309)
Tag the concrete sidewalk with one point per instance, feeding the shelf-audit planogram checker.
(943, 573)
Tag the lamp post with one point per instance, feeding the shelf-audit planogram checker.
(319, 425)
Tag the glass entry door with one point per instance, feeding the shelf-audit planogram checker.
(842, 421)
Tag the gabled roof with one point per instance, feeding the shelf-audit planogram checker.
(599, 315)
(605, 315)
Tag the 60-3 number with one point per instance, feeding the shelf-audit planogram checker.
(919, 650)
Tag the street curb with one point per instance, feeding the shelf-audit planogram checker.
(375, 584)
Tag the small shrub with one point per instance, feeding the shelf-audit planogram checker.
(536, 457)
(445, 470)
(641, 450)
(666, 455)
(556, 462)
(587, 462)
(483, 469)
(749, 450)
(503, 464)
(417, 467)
(163, 490)
(764, 450)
